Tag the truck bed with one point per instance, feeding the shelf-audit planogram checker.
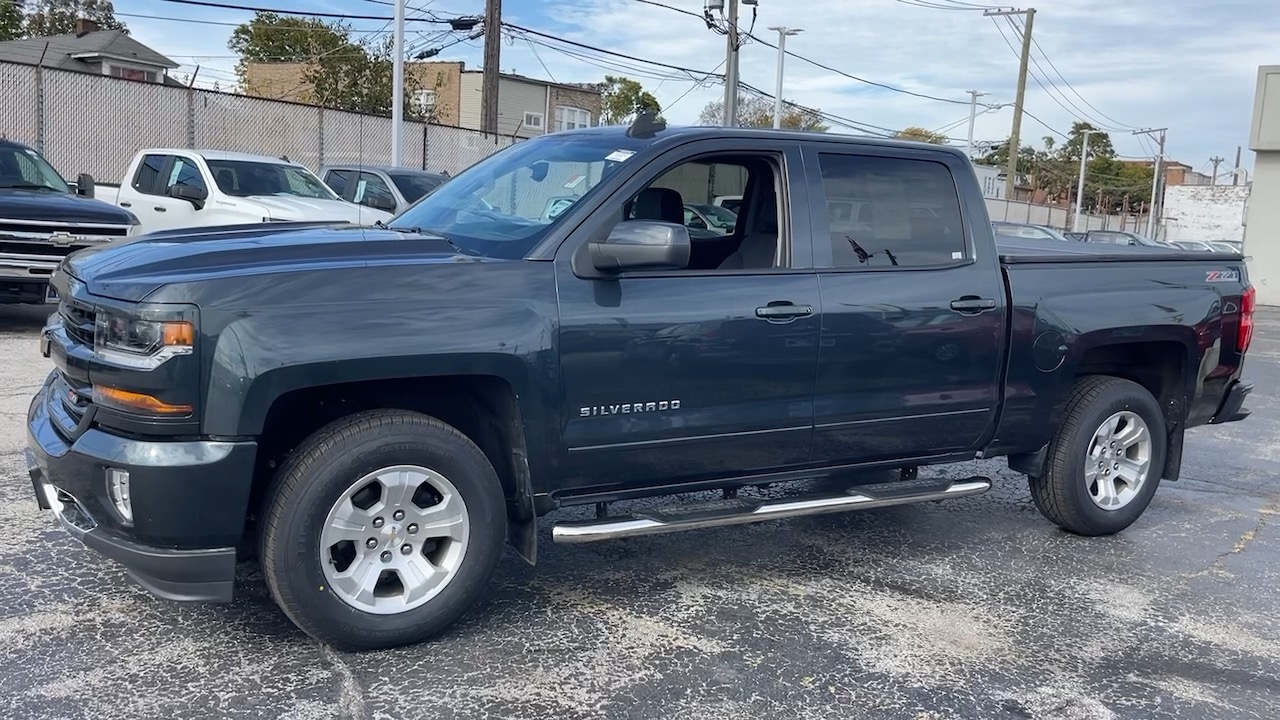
(1021, 250)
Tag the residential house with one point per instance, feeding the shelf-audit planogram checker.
(450, 94)
(91, 50)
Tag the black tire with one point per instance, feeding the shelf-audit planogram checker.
(1061, 494)
(325, 466)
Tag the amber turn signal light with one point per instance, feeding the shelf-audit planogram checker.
(136, 402)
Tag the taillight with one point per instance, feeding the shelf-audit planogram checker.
(1248, 299)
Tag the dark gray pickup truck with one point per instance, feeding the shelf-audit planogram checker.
(375, 412)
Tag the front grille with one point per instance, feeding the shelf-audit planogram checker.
(38, 248)
(19, 227)
(77, 320)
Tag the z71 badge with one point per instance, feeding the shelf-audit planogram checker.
(1222, 276)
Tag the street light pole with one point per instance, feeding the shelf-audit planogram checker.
(1084, 159)
(731, 67)
(397, 88)
(783, 32)
(973, 114)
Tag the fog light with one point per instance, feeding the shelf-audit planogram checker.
(118, 489)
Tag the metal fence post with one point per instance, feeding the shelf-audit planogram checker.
(191, 117)
(39, 109)
(425, 144)
(320, 139)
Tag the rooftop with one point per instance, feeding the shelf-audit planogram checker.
(70, 52)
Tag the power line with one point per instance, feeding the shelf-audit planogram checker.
(301, 13)
(274, 28)
(1077, 92)
(1074, 109)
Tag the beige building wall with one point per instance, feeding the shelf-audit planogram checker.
(287, 81)
(1262, 228)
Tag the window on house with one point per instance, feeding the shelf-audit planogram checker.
(533, 120)
(129, 73)
(568, 118)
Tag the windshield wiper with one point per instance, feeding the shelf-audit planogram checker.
(420, 231)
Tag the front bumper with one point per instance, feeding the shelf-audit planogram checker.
(189, 499)
(1232, 408)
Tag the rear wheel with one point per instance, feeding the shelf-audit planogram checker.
(1105, 459)
(381, 530)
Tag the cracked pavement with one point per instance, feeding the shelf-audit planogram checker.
(970, 608)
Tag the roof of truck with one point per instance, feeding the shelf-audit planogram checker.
(219, 155)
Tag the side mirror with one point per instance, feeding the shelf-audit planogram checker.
(380, 202)
(85, 185)
(194, 195)
(642, 245)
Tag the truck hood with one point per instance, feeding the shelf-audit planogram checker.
(131, 271)
(49, 206)
(280, 207)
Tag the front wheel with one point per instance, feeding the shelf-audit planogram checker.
(382, 529)
(1105, 459)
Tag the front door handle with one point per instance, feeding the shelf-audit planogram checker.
(160, 209)
(972, 304)
(783, 311)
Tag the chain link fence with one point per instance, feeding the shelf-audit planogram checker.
(85, 123)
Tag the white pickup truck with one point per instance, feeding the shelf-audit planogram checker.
(171, 188)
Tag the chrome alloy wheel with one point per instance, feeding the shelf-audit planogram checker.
(394, 539)
(1118, 462)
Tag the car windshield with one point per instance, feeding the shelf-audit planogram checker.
(507, 203)
(244, 178)
(24, 168)
(414, 185)
(719, 216)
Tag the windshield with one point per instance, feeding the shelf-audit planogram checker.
(243, 178)
(719, 216)
(506, 204)
(413, 187)
(22, 167)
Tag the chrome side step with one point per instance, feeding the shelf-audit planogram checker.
(739, 511)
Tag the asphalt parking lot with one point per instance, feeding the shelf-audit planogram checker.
(974, 608)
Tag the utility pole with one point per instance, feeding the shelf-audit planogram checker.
(1084, 160)
(1235, 174)
(783, 32)
(1155, 178)
(492, 67)
(731, 67)
(1216, 162)
(973, 116)
(1015, 136)
(397, 88)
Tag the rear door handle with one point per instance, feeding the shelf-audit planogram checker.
(126, 204)
(783, 311)
(972, 304)
(160, 209)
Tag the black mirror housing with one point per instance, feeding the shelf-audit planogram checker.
(194, 195)
(85, 185)
(642, 245)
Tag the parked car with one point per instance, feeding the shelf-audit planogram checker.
(1194, 245)
(1076, 236)
(42, 220)
(379, 410)
(1226, 247)
(391, 189)
(1122, 237)
(710, 217)
(174, 188)
(728, 202)
(1025, 230)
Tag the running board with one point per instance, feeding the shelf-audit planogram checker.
(739, 511)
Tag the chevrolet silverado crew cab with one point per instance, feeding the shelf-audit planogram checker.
(377, 412)
(170, 188)
(43, 219)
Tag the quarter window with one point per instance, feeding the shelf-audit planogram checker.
(891, 212)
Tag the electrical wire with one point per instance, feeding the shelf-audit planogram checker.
(1019, 32)
(302, 13)
(354, 31)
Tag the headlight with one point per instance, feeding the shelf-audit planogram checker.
(138, 342)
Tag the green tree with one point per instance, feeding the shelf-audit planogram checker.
(919, 134)
(343, 73)
(623, 97)
(58, 17)
(12, 20)
(755, 111)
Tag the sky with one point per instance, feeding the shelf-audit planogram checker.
(1188, 65)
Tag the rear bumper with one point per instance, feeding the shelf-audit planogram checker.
(1232, 408)
(188, 500)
